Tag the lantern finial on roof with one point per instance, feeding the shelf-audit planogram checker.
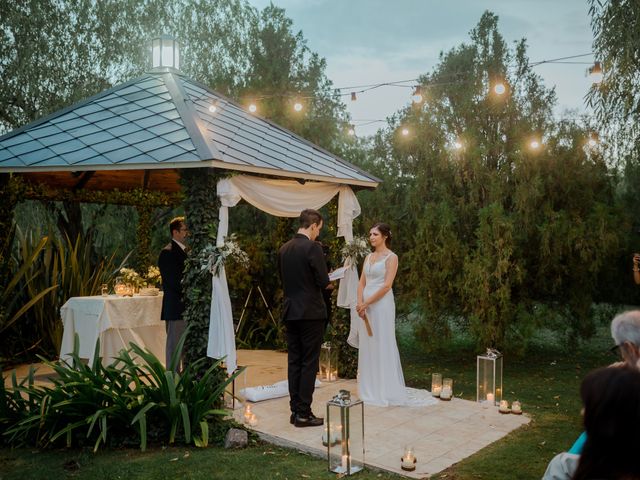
(165, 53)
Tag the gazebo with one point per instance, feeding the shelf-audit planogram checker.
(143, 133)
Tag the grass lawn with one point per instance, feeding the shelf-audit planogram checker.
(546, 381)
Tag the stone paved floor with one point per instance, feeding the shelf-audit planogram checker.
(441, 434)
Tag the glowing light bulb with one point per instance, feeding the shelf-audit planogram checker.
(596, 74)
(297, 106)
(457, 145)
(253, 108)
(417, 95)
(535, 144)
(213, 108)
(351, 131)
(593, 140)
(405, 131)
(499, 88)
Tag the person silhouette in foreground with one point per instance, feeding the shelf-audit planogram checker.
(625, 330)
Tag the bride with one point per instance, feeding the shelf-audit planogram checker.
(380, 378)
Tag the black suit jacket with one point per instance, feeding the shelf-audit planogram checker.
(303, 271)
(171, 265)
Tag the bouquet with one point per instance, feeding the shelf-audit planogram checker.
(355, 250)
(212, 258)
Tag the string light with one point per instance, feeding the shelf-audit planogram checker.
(297, 107)
(417, 95)
(593, 140)
(405, 132)
(457, 145)
(253, 108)
(213, 108)
(595, 72)
(351, 131)
(534, 144)
(499, 88)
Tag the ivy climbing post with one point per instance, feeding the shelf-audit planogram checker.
(201, 205)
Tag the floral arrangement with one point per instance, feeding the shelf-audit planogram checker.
(358, 248)
(212, 258)
(131, 277)
(153, 276)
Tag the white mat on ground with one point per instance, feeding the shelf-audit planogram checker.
(267, 392)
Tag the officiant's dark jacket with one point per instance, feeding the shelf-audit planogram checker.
(303, 271)
(171, 265)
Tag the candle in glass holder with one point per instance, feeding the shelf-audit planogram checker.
(436, 384)
(253, 420)
(516, 408)
(247, 413)
(408, 460)
(345, 462)
(447, 389)
(491, 398)
(504, 406)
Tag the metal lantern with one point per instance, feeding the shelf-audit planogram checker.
(489, 380)
(345, 434)
(165, 52)
(328, 363)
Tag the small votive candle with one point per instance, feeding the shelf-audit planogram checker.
(247, 413)
(516, 408)
(253, 420)
(447, 389)
(436, 384)
(491, 398)
(504, 406)
(408, 460)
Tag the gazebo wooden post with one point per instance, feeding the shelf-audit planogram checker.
(201, 205)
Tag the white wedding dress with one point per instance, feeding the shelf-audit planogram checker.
(380, 378)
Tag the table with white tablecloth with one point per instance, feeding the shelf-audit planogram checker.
(116, 322)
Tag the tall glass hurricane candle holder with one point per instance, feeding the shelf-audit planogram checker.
(346, 415)
(489, 377)
(328, 363)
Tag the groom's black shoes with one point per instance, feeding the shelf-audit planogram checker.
(307, 420)
(292, 418)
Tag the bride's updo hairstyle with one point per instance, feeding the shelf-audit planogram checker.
(385, 230)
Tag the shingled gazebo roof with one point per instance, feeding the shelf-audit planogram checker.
(140, 133)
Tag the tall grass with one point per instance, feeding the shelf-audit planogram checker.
(55, 269)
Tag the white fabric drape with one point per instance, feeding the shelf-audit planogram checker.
(281, 198)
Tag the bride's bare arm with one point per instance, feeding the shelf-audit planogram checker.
(391, 264)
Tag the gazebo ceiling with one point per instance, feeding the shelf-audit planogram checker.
(140, 133)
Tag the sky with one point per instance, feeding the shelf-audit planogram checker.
(375, 41)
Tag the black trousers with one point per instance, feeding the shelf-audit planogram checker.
(304, 339)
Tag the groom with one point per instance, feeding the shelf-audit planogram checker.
(303, 271)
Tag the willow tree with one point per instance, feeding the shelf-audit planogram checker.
(496, 228)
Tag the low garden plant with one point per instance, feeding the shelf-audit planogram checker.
(132, 401)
